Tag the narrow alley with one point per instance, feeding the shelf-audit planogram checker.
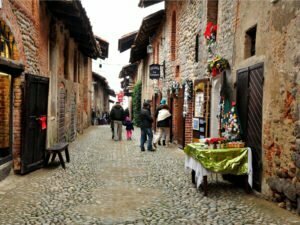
(110, 182)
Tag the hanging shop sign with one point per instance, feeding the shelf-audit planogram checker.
(154, 71)
(120, 97)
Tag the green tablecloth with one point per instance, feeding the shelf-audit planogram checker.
(229, 161)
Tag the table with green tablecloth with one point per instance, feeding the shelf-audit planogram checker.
(202, 161)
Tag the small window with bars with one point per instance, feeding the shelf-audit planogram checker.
(173, 37)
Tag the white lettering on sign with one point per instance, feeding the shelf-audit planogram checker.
(154, 71)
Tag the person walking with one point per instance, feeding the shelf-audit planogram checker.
(117, 116)
(146, 127)
(163, 125)
(163, 137)
(129, 128)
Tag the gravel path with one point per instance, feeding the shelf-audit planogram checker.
(110, 182)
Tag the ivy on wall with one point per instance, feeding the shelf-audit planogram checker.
(136, 103)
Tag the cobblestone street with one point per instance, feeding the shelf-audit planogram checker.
(110, 182)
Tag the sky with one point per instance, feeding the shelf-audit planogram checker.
(111, 19)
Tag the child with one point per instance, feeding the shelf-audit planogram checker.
(129, 128)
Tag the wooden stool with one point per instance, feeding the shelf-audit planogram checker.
(57, 149)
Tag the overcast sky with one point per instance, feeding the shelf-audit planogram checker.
(110, 20)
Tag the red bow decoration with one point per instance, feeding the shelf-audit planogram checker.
(210, 28)
(43, 122)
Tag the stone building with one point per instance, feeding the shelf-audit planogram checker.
(261, 51)
(100, 94)
(47, 49)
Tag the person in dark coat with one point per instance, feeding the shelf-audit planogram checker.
(117, 116)
(146, 127)
(126, 113)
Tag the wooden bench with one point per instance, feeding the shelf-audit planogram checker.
(57, 149)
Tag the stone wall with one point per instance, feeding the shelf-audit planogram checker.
(29, 39)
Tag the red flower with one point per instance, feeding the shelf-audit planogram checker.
(215, 140)
(214, 72)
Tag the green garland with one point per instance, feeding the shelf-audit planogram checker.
(136, 103)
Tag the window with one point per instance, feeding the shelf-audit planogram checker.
(250, 41)
(153, 54)
(157, 53)
(8, 47)
(75, 66)
(197, 48)
(173, 37)
(66, 59)
(177, 71)
(79, 58)
(212, 11)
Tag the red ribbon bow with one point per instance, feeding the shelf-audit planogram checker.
(43, 122)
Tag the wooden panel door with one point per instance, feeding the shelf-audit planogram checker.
(170, 103)
(249, 106)
(254, 127)
(34, 138)
(180, 119)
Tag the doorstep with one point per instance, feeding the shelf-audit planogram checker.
(5, 170)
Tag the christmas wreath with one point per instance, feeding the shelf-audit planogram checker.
(217, 65)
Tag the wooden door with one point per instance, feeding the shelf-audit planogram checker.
(61, 114)
(180, 119)
(249, 106)
(34, 138)
(170, 103)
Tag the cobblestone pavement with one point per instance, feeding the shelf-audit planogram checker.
(111, 182)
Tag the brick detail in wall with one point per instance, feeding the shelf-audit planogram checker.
(30, 46)
(4, 111)
(188, 123)
(212, 11)
(173, 36)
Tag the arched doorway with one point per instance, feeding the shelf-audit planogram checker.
(214, 110)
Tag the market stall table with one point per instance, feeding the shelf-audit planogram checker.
(202, 162)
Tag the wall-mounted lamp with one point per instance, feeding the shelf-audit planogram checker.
(149, 49)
